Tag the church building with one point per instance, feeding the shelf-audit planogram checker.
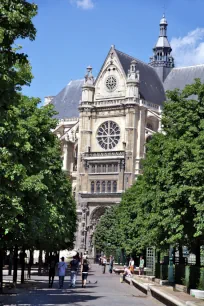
(105, 123)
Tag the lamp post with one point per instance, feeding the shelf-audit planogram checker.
(171, 265)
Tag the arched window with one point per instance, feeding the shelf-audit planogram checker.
(114, 186)
(149, 126)
(115, 167)
(92, 187)
(93, 168)
(104, 168)
(98, 186)
(103, 187)
(109, 186)
(110, 168)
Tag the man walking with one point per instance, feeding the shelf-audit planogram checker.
(111, 264)
(74, 268)
(62, 266)
(52, 264)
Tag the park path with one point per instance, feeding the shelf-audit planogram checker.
(101, 290)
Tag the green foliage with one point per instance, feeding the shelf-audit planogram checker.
(106, 236)
(36, 205)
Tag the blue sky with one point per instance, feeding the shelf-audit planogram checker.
(72, 34)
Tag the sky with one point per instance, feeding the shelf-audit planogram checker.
(72, 34)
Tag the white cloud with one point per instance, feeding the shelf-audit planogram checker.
(189, 50)
(84, 4)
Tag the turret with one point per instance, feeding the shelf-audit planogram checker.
(88, 87)
(133, 81)
(162, 59)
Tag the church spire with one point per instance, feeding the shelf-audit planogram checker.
(162, 59)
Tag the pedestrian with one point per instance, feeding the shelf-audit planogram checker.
(74, 264)
(52, 265)
(85, 256)
(62, 266)
(131, 265)
(104, 262)
(141, 266)
(111, 261)
(85, 269)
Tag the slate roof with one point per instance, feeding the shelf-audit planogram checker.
(162, 42)
(67, 101)
(151, 88)
(179, 77)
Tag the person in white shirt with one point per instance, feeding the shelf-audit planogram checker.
(131, 265)
(62, 266)
(104, 262)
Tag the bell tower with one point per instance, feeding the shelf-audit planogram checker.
(162, 59)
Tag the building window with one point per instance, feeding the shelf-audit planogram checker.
(115, 167)
(93, 168)
(92, 187)
(111, 83)
(98, 187)
(98, 168)
(110, 168)
(108, 135)
(103, 187)
(104, 168)
(114, 186)
(149, 126)
(109, 186)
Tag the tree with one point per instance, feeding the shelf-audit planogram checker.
(165, 205)
(106, 236)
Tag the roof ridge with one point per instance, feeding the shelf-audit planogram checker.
(199, 65)
(133, 58)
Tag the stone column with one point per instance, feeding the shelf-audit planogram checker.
(65, 156)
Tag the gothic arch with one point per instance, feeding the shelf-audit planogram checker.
(97, 213)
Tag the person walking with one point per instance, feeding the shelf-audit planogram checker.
(62, 266)
(74, 264)
(52, 265)
(85, 269)
(131, 265)
(104, 262)
(111, 261)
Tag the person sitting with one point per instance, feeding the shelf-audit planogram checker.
(126, 272)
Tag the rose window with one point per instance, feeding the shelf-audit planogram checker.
(108, 135)
(111, 83)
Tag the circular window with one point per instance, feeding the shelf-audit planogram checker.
(111, 83)
(108, 135)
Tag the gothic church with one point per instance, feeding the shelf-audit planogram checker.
(104, 124)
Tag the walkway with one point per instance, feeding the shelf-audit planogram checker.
(101, 290)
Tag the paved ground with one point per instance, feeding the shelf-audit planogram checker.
(108, 291)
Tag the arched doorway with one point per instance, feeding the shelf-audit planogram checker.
(93, 221)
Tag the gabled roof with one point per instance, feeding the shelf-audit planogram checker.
(180, 77)
(67, 101)
(151, 88)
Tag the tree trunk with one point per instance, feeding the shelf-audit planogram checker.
(30, 264)
(158, 256)
(40, 263)
(23, 265)
(197, 253)
(1, 270)
(15, 265)
(181, 259)
(10, 262)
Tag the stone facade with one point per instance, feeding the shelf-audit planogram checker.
(116, 115)
(102, 149)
